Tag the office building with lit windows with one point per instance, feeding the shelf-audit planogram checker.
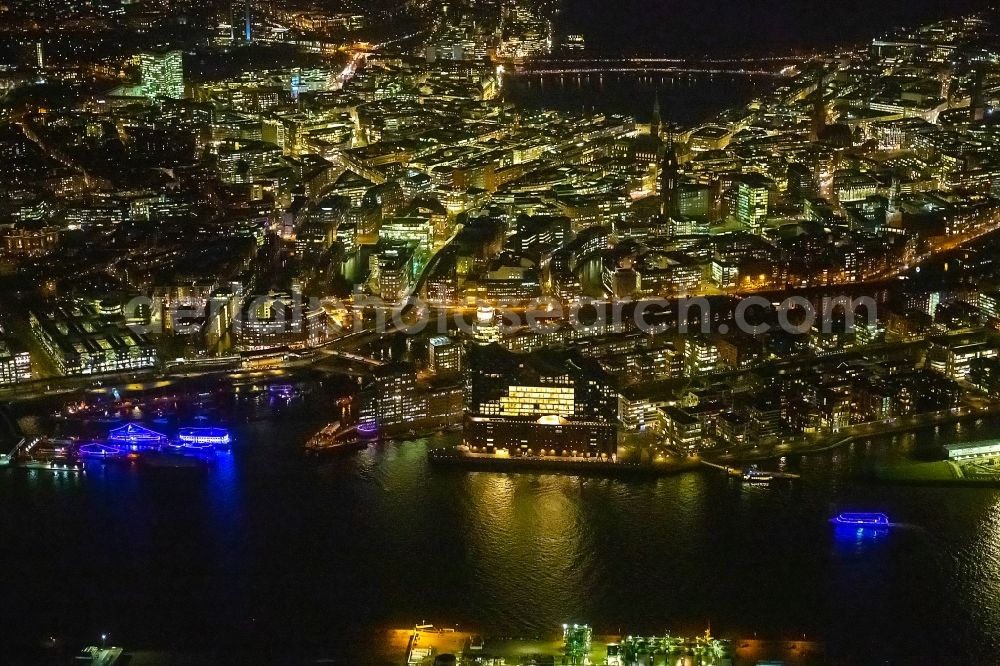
(392, 402)
(15, 362)
(162, 74)
(444, 355)
(82, 340)
(752, 201)
(279, 320)
(539, 404)
(392, 399)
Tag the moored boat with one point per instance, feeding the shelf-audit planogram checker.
(756, 476)
(204, 438)
(862, 519)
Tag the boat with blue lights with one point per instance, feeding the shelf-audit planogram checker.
(135, 437)
(862, 519)
(286, 391)
(99, 451)
(204, 438)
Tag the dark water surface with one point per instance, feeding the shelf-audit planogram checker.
(686, 99)
(735, 27)
(266, 550)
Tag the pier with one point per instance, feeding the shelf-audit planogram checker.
(575, 466)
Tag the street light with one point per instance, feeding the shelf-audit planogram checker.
(104, 641)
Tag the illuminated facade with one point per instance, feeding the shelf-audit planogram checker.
(15, 363)
(391, 400)
(751, 201)
(444, 354)
(83, 342)
(279, 320)
(551, 404)
(162, 74)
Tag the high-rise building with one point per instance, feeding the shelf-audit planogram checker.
(818, 123)
(241, 20)
(162, 74)
(977, 102)
(394, 396)
(444, 354)
(669, 183)
(751, 201)
(801, 182)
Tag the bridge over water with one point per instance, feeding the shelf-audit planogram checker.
(777, 67)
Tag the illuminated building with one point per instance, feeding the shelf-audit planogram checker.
(279, 320)
(695, 200)
(82, 342)
(669, 183)
(972, 450)
(245, 161)
(392, 399)
(818, 120)
(162, 74)
(977, 103)
(486, 327)
(444, 354)
(241, 20)
(854, 186)
(710, 137)
(801, 182)
(701, 356)
(391, 269)
(953, 357)
(414, 229)
(546, 404)
(28, 240)
(525, 33)
(507, 284)
(656, 121)
(682, 429)
(725, 274)
(752, 201)
(15, 362)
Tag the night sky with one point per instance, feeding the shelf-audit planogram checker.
(736, 26)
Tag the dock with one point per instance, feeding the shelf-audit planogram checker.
(553, 465)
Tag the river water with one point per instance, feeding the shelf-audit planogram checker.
(265, 549)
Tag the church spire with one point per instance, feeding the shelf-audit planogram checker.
(654, 124)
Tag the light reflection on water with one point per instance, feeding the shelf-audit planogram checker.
(265, 545)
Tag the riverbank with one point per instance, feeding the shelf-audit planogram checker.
(806, 445)
(578, 466)
(822, 444)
